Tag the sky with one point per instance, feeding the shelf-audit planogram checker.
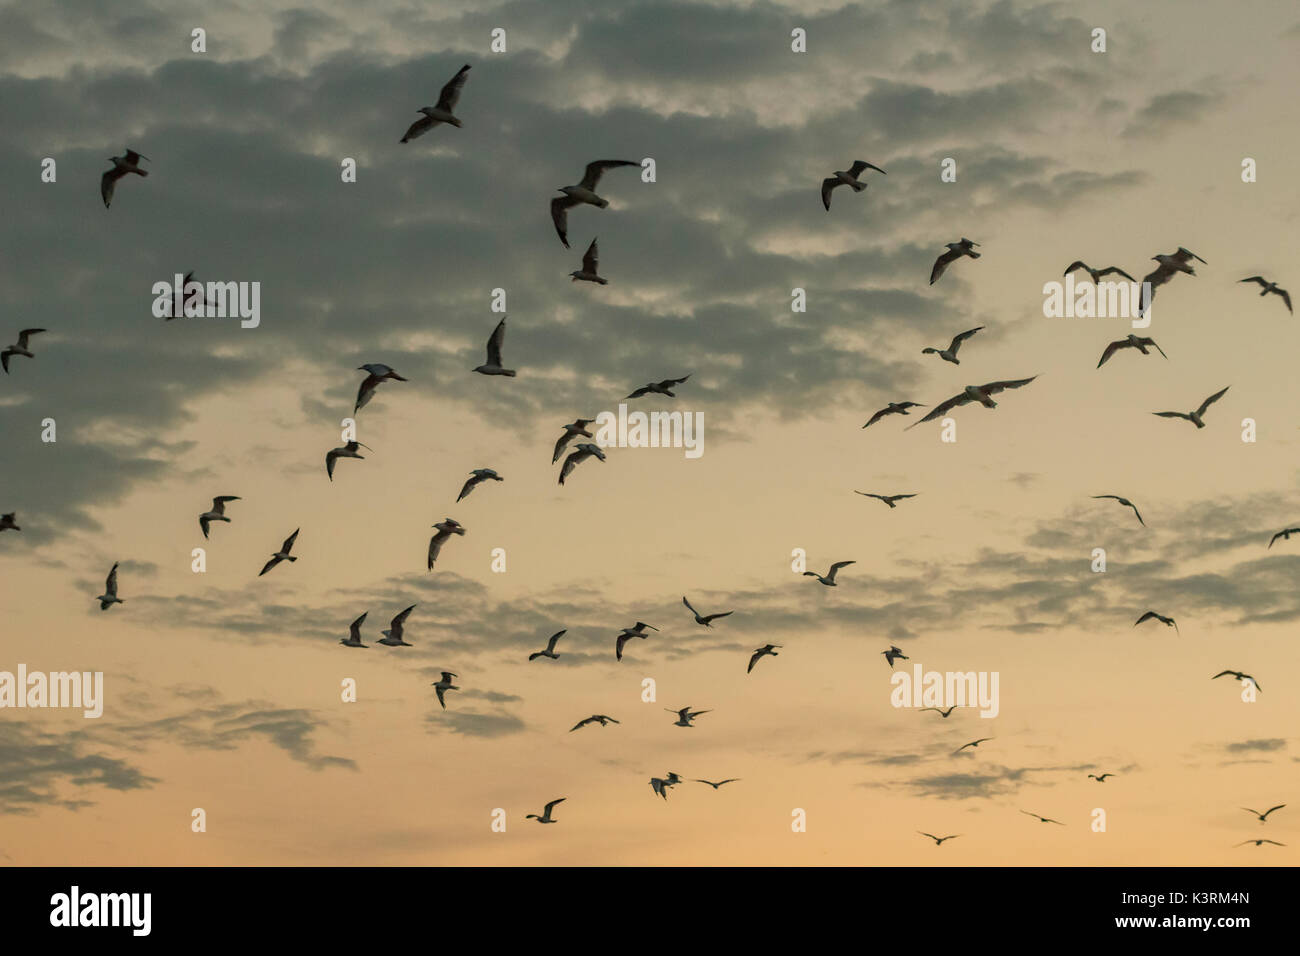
(223, 689)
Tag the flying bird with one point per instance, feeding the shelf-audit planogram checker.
(685, 716)
(627, 634)
(1096, 274)
(945, 714)
(660, 786)
(660, 388)
(590, 260)
(973, 743)
(393, 635)
(766, 650)
(950, 353)
(1152, 615)
(1240, 676)
(887, 499)
(218, 512)
(706, 620)
(1130, 342)
(955, 251)
(20, 348)
(1169, 267)
(715, 786)
(109, 597)
(1127, 504)
(1263, 817)
(377, 373)
(593, 719)
(571, 431)
(128, 162)
(584, 192)
(828, 578)
(354, 633)
(343, 451)
(938, 841)
(894, 654)
(893, 408)
(847, 177)
(546, 813)
(493, 364)
(1043, 819)
(7, 522)
(973, 393)
(1259, 842)
(1100, 778)
(477, 476)
(1285, 535)
(444, 684)
(550, 648)
(446, 528)
(1272, 287)
(281, 555)
(584, 451)
(1195, 417)
(442, 113)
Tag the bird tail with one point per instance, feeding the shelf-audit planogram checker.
(603, 204)
(290, 557)
(509, 371)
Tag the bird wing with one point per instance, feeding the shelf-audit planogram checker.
(689, 607)
(435, 546)
(1260, 279)
(582, 723)
(1286, 297)
(590, 258)
(550, 645)
(876, 417)
(110, 585)
(547, 809)
(595, 169)
(1271, 809)
(1116, 269)
(401, 618)
(714, 617)
(942, 263)
(450, 94)
(1145, 617)
(992, 388)
(1152, 343)
(355, 627)
(107, 183)
(288, 542)
(203, 523)
(560, 216)
(957, 340)
(25, 334)
(1111, 349)
(753, 660)
(1224, 674)
(268, 566)
(1211, 400)
(469, 484)
(1182, 415)
(637, 393)
(961, 398)
(1076, 264)
(827, 186)
(571, 463)
(495, 342)
(859, 165)
(837, 565)
(559, 446)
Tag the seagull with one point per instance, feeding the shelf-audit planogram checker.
(584, 451)
(1259, 842)
(128, 162)
(593, 719)
(446, 528)
(546, 813)
(1131, 342)
(218, 512)
(587, 273)
(950, 353)
(1263, 817)
(393, 636)
(584, 192)
(344, 451)
(573, 429)
(660, 786)
(828, 578)
(893, 408)
(1195, 417)
(550, 647)
(1272, 287)
(708, 619)
(378, 373)
(715, 786)
(945, 714)
(887, 499)
(1169, 267)
(685, 716)
(847, 177)
(444, 684)
(1096, 274)
(1240, 676)
(1285, 535)
(1127, 504)
(281, 555)
(938, 841)
(109, 597)
(493, 364)
(354, 633)
(1100, 778)
(973, 393)
(955, 251)
(894, 654)
(1043, 819)
(433, 115)
(767, 650)
(627, 634)
(177, 309)
(973, 743)
(7, 522)
(476, 476)
(672, 779)
(19, 349)
(1152, 615)
(660, 388)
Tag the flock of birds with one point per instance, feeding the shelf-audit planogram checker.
(584, 193)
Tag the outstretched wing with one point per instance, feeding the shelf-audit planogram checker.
(560, 216)
(827, 186)
(288, 542)
(595, 169)
(1115, 269)
(957, 340)
(942, 263)
(590, 259)
(992, 388)
(859, 165)
(495, 342)
(1211, 400)
(110, 585)
(450, 94)
(1112, 348)
(961, 398)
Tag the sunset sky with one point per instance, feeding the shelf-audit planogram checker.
(223, 688)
